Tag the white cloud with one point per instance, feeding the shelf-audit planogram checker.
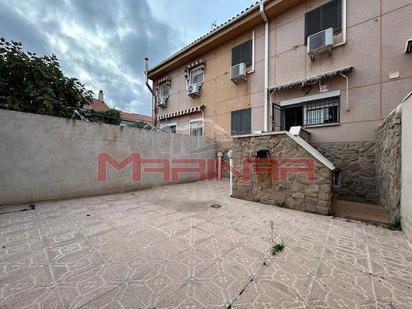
(103, 42)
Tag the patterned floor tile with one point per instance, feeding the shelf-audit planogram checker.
(394, 265)
(350, 291)
(390, 294)
(167, 247)
(282, 292)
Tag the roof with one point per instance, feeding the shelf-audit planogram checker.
(208, 34)
(135, 117)
(311, 79)
(98, 106)
(246, 20)
(101, 106)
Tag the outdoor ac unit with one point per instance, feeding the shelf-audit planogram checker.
(237, 72)
(162, 101)
(194, 89)
(320, 42)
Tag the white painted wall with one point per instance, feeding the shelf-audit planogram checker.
(45, 157)
(406, 199)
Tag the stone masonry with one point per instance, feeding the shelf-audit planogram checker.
(297, 191)
(356, 161)
(388, 167)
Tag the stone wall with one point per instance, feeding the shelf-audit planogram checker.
(45, 157)
(356, 161)
(297, 191)
(388, 167)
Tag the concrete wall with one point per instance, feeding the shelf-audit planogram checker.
(376, 35)
(406, 198)
(388, 164)
(45, 157)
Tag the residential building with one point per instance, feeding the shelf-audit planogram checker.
(335, 67)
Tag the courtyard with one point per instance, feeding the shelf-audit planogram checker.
(192, 246)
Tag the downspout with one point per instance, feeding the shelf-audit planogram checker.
(146, 72)
(347, 90)
(253, 53)
(230, 155)
(266, 77)
(344, 23)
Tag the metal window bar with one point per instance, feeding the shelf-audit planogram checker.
(322, 112)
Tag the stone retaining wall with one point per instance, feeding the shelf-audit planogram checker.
(388, 167)
(356, 160)
(297, 191)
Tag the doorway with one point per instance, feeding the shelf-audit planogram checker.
(293, 116)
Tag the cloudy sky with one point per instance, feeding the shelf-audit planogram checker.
(103, 42)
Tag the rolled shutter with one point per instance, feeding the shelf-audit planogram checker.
(236, 53)
(246, 52)
(312, 22)
(235, 128)
(324, 17)
(246, 121)
(332, 15)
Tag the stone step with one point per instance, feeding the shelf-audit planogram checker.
(369, 213)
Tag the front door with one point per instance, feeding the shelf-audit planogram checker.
(293, 116)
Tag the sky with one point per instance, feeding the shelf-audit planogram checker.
(103, 43)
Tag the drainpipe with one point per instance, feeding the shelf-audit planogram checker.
(219, 165)
(344, 23)
(253, 53)
(146, 72)
(347, 91)
(230, 155)
(266, 86)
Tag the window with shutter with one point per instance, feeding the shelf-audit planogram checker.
(242, 53)
(326, 16)
(241, 122)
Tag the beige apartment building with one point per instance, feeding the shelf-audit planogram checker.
(334, 67)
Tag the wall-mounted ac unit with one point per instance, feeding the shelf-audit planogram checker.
(162, 101)
(194, 89)
(320, 42)
(238, 72)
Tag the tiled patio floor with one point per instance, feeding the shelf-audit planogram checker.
(167, 248)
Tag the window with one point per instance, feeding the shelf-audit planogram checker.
(196, 76)
(322, 111)
(241, 123)
(170, 128)
(242, 54)
(163, 91)
(196, 127)
(337, 179)
(326, 16)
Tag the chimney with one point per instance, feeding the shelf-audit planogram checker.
(101, 97)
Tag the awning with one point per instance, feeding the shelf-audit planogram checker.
(311, 80)
(183, 112)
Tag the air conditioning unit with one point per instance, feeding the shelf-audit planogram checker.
(162, 101)
(320, 42)
(238, 72)
(194, 89)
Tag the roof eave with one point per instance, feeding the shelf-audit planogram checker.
(247, 20)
